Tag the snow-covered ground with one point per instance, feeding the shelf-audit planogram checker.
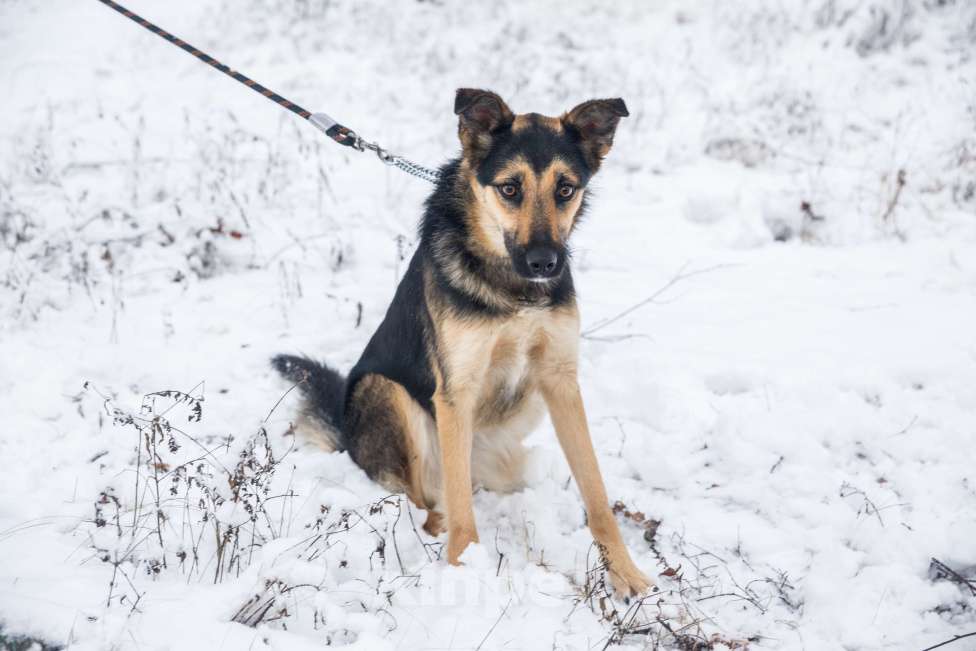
(787, 416)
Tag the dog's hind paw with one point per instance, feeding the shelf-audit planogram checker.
(434, 525)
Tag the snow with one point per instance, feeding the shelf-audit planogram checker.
(796, 403)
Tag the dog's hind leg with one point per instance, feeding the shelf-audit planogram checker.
(394, 440)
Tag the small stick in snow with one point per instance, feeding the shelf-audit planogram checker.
(807, 209)
(888, 215)
(678, 277)
(491, 630)
(954, 639)
(900, 182)
(939, 570)
(281, 399)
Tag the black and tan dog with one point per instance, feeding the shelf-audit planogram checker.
(483, 331)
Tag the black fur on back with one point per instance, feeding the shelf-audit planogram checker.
(323, 389)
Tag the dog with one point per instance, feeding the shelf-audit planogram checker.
(482, 335)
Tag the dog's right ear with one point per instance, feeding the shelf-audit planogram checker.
(480, 114)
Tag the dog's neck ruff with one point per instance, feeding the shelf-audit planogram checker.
(487, 285)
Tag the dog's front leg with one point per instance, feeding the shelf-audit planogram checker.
(562, 395)
(454, 430)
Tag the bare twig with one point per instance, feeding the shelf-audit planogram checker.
(492, 629)
(954, 639)
(905, 429)
(283, 396)
(900, 182)
(868, 507)
(939, 570)
(807, 209)
(677, 278)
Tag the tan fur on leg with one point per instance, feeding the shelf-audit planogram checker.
(454, 434)
(569, 418)
(558, 382)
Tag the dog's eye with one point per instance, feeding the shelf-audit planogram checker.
(566, 191)
(508, 190)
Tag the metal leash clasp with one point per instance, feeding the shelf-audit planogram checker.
(362, 145)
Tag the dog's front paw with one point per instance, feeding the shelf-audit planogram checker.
(627, 580)
(458, 538)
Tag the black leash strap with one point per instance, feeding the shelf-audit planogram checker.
(341, 134)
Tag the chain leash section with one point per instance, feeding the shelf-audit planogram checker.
(329, 126)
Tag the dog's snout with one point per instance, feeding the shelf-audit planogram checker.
(542, 261)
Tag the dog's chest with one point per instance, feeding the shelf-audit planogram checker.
(510, 364)
(510, 377)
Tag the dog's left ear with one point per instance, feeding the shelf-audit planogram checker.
(595, 122)
(480, 113)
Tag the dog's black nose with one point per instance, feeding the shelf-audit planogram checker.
(542, 261)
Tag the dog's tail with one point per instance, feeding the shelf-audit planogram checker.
(323, 394)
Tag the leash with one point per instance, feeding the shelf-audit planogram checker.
(341, 134)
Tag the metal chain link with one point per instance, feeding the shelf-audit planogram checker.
(419, 171)
(399, 162)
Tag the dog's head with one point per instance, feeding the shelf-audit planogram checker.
(528, 174)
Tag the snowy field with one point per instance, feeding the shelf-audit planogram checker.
(777, 283)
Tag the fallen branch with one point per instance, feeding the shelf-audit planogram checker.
(492, 629)
(939, 570)
(678, 277)
(954, 639)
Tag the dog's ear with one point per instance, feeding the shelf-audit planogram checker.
(480, 113)
(595, 122)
